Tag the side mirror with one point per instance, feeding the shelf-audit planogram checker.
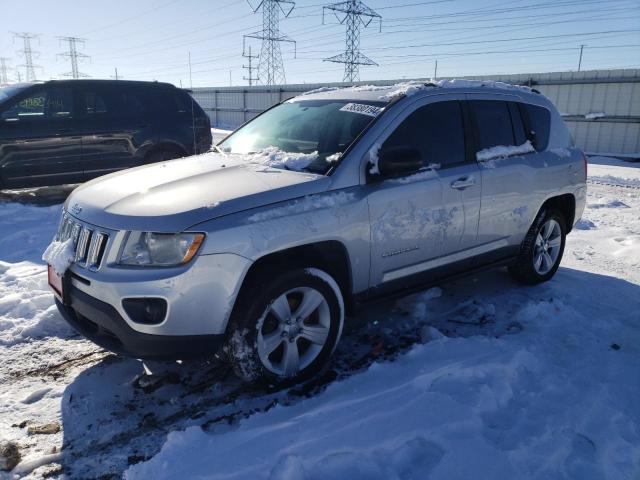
(398, 161)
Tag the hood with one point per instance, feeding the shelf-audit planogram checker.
(175, 195)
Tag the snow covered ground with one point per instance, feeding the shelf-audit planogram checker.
(480, 378)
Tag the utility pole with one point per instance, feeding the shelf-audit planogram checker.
(354, 14)
(580, 60)
(4, 78)
(250, 68)
(435, 70)
(74, 55)
(28, 54)
(190, 77)
(116, 76)
(270, 66)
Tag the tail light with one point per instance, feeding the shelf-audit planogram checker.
(584, 158)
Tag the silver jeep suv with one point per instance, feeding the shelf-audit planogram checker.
(330, 199)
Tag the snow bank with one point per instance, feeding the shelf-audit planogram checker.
(502, 151)
(60, 255)
(531, 405)
(27, 310)
(307, 204)
(25, 231)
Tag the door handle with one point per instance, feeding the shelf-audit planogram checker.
(463, 183)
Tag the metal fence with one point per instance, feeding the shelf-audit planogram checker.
(601, 107)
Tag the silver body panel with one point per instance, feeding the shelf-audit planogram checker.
(389, 229)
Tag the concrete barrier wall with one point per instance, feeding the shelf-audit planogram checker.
(601, 107)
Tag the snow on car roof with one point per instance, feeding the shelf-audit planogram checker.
(387, 93)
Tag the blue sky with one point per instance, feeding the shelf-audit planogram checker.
(151, 39)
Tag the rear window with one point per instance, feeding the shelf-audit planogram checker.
(539, 123)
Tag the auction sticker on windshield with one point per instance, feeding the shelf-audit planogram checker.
(370, 110)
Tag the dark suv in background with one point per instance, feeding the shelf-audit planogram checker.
(70, 131)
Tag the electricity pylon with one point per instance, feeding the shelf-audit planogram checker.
(28, 54)
(74, 55)
(354, 14)
(270, 66)
(4, 78)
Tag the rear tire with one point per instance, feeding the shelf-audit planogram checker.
(542, 249)
(285, 329)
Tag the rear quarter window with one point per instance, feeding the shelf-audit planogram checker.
(539, 125)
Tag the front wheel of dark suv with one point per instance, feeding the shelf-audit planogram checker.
(542, 249)
(284, 330)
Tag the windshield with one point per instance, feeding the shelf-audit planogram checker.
(315, 130)
(11, 90)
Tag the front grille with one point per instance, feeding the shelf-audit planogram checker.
(90, 242)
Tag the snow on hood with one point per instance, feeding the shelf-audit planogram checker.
(174, 195)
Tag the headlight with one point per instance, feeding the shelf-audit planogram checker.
(160, 249)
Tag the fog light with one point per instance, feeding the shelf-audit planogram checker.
(149, 311)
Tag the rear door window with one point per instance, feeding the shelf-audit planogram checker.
(436, 131)
(493, 122)
(539, 121)
(100, 102)
(517, 123)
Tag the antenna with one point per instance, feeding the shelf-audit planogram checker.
(354, 14)
(250, 68)
(73, 55)
(270, 66)
(28, 54)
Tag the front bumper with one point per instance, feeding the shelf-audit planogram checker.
(102, 324)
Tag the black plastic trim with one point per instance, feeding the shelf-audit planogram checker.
(102, 324)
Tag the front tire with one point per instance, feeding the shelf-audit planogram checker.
(284, 330)
(542, 249)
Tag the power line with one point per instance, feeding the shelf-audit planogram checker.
(73, 55)
(28, 54)
(270, 66)
(354, 14)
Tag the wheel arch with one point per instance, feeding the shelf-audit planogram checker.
(330, 256)
(566, 204)
(165, 146)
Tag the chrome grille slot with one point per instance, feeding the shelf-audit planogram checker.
(65, 228)
(90, 243)
(83, 245)
(96, 250)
